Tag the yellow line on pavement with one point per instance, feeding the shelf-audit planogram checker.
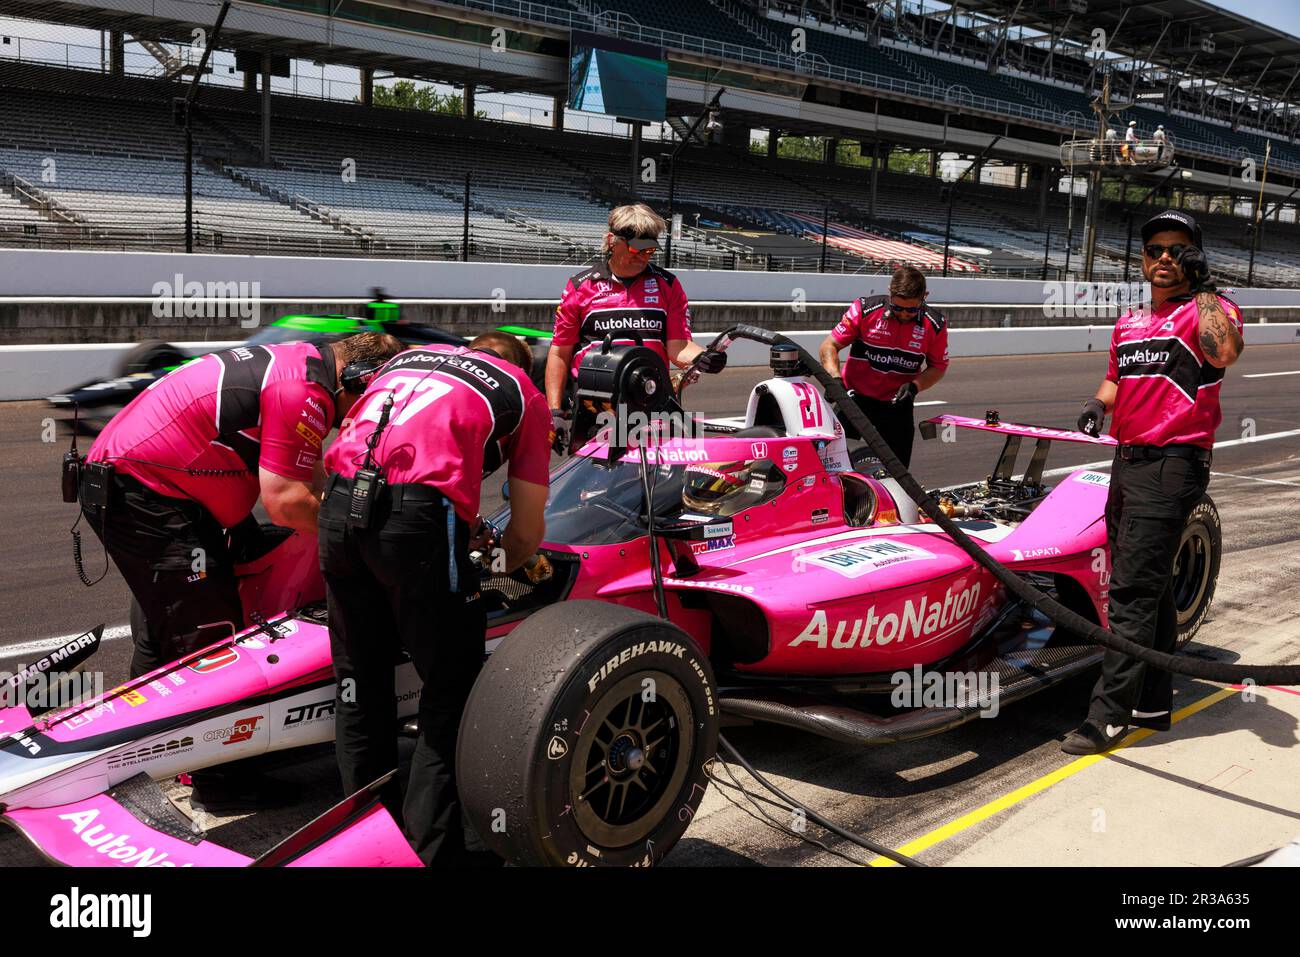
(966, 821)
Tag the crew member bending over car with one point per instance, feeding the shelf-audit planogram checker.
(188, 459)
(395, 543)
(1162, 388)
(898, 346)
(624, 295)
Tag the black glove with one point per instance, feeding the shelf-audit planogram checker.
(711, 362)
(852, 393)
(1090, 419)
(559, 431)
(1196, 269)
(906, 392)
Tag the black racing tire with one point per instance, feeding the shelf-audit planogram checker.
(562, 757)
(149, 356)
(1196, 567)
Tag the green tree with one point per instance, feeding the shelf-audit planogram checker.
(810, 149)
(912, 164)
(406, 95)
(851, 153)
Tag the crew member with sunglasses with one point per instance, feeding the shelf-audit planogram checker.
(898, 346)
(1162, 390)
(624, 295)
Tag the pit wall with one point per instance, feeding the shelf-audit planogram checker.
(66, 317)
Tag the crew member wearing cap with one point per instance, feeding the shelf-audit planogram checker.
(1162, 390)
(898, 346)
(1131, 141)
(626, 296)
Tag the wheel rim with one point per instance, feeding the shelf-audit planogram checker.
(630, 759)
(1191, 571)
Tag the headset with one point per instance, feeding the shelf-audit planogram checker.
(359, 373)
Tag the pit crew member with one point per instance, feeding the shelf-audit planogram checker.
(1162, 388)
(189, 458)
(624, 295)
(898, 346)
(402, 576)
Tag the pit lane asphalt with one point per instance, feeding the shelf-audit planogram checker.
(895, 793)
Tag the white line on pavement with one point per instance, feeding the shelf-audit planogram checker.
(931, 402)
(31, 649)
(1226, 444)
(1268, 375)
(1255, 478)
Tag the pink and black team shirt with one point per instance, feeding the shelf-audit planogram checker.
(884, 352)
(596, 303)
(1167, 393)
(232, 412)
(457, 415)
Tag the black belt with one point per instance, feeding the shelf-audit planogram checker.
(1130, 453)
(396, 494)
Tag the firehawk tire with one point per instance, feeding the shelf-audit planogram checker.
(585, 738)
(1196, 567)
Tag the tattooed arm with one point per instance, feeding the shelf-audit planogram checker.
(1220, 341)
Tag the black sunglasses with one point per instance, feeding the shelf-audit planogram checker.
(895, 307)
(1155, 251)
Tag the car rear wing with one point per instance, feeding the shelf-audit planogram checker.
(1044, 436)
(991, 423)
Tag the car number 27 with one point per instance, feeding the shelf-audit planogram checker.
(411, 395)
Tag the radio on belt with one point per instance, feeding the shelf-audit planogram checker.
(369, 479)
(365, 487)
(72, 463)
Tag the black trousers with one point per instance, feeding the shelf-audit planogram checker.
(893, 422)
(175, 558)
(1146, 510)
(404, 583)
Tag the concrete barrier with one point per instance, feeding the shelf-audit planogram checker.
(35, 371)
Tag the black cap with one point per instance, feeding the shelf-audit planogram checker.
(1172, 219)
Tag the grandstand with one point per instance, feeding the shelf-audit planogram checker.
(900, 100)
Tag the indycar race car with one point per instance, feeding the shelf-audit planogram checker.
(758, 572)
(99, 400)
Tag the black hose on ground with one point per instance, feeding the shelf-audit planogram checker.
(1218, 672)
(816, 818)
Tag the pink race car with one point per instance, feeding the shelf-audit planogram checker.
(698, 570)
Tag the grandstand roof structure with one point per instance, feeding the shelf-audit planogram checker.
(1244, 48)
(1246, 54)
(1247, 61)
